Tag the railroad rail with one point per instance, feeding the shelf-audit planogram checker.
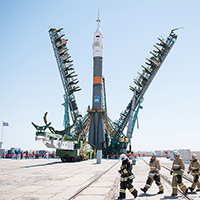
(165, 178)
(114, 191)
(93, 181)
(179, 191)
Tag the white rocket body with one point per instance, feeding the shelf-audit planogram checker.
(98, 45)
(96, 132)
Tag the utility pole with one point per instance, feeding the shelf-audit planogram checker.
(1, 142)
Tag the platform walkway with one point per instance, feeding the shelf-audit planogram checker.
(53, 180)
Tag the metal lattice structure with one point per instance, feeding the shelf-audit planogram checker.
(144, 79)
(115, 141)
(104, 105)
(66, 121)
(65, 68)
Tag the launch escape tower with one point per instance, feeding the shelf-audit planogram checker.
(96, 128)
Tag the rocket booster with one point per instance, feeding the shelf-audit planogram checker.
(96, 132)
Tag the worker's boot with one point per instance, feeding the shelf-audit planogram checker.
(191, 189)
(120, 198)
(122, 195)
(134, 193)
(161, 192)
(186, 191)
(144, 189)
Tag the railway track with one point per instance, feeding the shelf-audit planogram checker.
(93, 181)
(166, 179)
(99, 182)
(114, 190)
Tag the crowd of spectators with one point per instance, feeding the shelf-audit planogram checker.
(14, 153)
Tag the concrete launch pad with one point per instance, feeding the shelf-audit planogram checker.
(43, 179)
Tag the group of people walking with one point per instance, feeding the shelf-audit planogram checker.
(177, 171)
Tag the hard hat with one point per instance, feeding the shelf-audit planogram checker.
(194, 155)
(176, 153)
(153, 154)
(123, 156)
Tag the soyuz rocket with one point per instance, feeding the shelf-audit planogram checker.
(96, 132)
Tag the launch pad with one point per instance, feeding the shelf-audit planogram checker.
(96, 129)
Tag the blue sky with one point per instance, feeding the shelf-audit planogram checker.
(30, 83)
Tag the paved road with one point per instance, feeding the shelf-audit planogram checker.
(51, 179)
(43, 179)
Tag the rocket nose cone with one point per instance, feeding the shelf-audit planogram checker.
(98, 31)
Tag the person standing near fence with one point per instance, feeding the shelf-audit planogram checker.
(13, 154)
(19, 153)
(126, 178)
(16, 153)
